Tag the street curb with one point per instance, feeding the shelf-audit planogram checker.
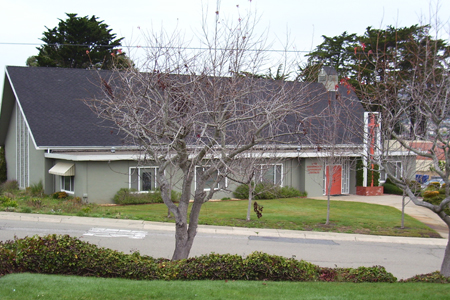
(224, 230)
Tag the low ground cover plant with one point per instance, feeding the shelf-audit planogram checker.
(65, 255)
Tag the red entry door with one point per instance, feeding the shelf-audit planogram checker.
(336, 179)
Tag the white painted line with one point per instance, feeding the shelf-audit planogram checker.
(108, 232)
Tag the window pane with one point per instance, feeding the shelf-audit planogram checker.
(269, 174)
(278, 175)
(210, 182)
(67, 183)
(134, 179)
(147, 179)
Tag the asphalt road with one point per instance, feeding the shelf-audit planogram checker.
(401, 256)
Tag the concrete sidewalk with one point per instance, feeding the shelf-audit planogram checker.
(422, 214)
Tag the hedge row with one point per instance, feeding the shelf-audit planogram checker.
(265, 190)
(130, 196)
(65, 255)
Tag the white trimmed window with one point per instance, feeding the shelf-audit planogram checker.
(271, 173)
(394, 167)
(143, 179)
(67, 184)
(211, 182)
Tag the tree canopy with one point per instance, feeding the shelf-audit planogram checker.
(387, 56)
(377, 55)
(79, 42)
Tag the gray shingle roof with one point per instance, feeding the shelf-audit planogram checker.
(51, 99)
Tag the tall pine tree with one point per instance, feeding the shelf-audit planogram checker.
(79, 42)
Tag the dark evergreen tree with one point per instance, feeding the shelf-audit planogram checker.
(385, 56)
(334, 51)
(79, 42)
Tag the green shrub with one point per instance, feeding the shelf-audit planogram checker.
(60, 195)
(241, 192)
(35, 202)
(36, 190)
(430, 194)
(55, 254)
(435, 198)
(265, 190)
(435, 277)
(7, 202)
(65, 255)
(366, 274)
(262, 266)
(131, 196)
(433, 186)
(290, 192)
(390, 188)
(360, 174)
(9, 186)
(212, 266)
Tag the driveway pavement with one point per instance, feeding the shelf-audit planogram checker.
(422, 214)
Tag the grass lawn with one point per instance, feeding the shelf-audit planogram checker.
(290, 213)
(38, 286)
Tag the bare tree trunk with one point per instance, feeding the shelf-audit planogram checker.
(328, 189)
(328, 209)
(445, 267)
(403, 210)
(185, 233)
(182, 247)
(250, 198)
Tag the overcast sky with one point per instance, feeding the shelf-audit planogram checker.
(24, 21)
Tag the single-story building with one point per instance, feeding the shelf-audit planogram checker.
(51, 136)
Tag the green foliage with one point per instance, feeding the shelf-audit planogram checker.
(65, 255)
(360, 174)
(3, 169)
(435, 277)
(390, 188)
(241, 191)
(78, 42)
(435, 198)
(267, 191)
(56, 254)
(433, 186)
(7, 202)
(262, 266)
(60, 195)
(130, 196)
(366, 274)
(36, 189)
(415, 187)
(35, 202)
(9, 186)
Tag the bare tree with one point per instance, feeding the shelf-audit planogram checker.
(423, 95)
(262, 168)
(192, 111)
(338, 136)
